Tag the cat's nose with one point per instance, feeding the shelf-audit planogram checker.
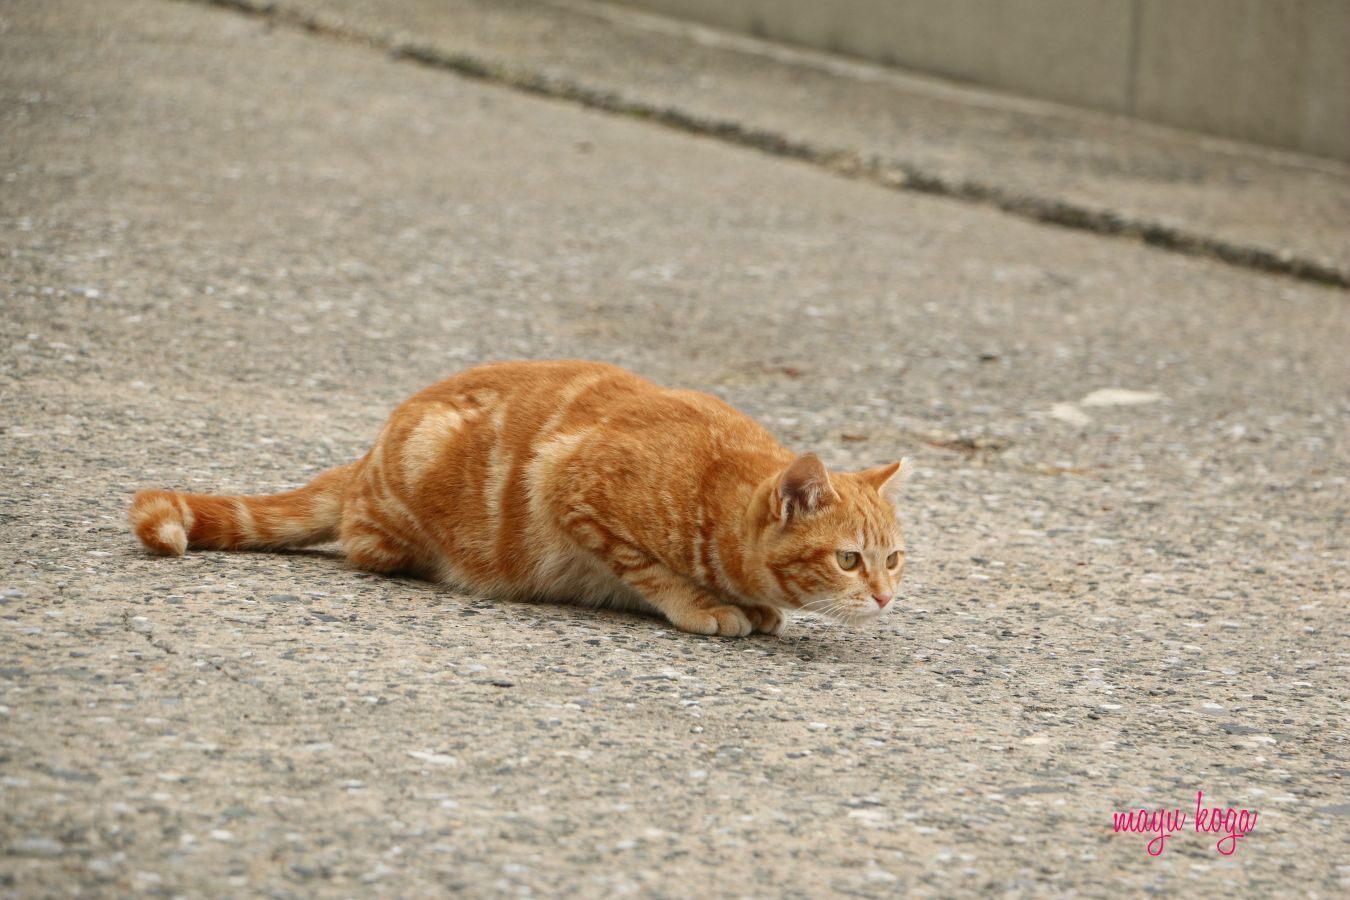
(882, 600)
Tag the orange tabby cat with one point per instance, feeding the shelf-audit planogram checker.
(581, 481)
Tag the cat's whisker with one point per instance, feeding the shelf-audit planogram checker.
(829, 613)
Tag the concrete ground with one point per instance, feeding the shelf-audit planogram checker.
(1049, 162)
(232, 246)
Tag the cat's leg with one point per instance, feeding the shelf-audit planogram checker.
(684, 603)
(366, 547)
(686, 607)
(371, 541)
(764, 619)
(690, 608)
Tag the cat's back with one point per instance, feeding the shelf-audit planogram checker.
(536, 400)
(484, 425)
(550, 380)
(490, 422)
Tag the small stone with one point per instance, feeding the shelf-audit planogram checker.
(1069, 412)
(36, 846)
(1119, 397)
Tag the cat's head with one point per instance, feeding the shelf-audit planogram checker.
(832, 541)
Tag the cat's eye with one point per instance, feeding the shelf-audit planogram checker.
(893, 559)
(848, 559)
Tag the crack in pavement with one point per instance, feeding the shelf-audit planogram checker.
(145, 631)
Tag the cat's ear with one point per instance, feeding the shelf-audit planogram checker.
(888, 480)
(803, 488)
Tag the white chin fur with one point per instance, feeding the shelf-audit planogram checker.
(867, 613)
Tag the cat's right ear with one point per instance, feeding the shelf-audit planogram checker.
(889, 479)
(803, 488)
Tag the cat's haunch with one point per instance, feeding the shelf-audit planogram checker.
(577, 481)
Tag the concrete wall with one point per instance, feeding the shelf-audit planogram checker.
(1275, 72)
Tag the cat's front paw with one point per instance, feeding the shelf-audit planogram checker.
(723, 621)
(764, 619)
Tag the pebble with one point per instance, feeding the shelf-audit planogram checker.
(36, 846)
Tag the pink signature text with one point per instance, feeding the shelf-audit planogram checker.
(1233, 824)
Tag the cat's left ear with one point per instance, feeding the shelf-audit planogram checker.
(889, 480)
(804, 488)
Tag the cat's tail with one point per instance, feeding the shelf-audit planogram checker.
(169, 522)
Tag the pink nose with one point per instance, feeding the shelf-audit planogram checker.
(882, 599)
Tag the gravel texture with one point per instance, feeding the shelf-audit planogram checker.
(231, 248)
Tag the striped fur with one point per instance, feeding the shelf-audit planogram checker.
(579, 481)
